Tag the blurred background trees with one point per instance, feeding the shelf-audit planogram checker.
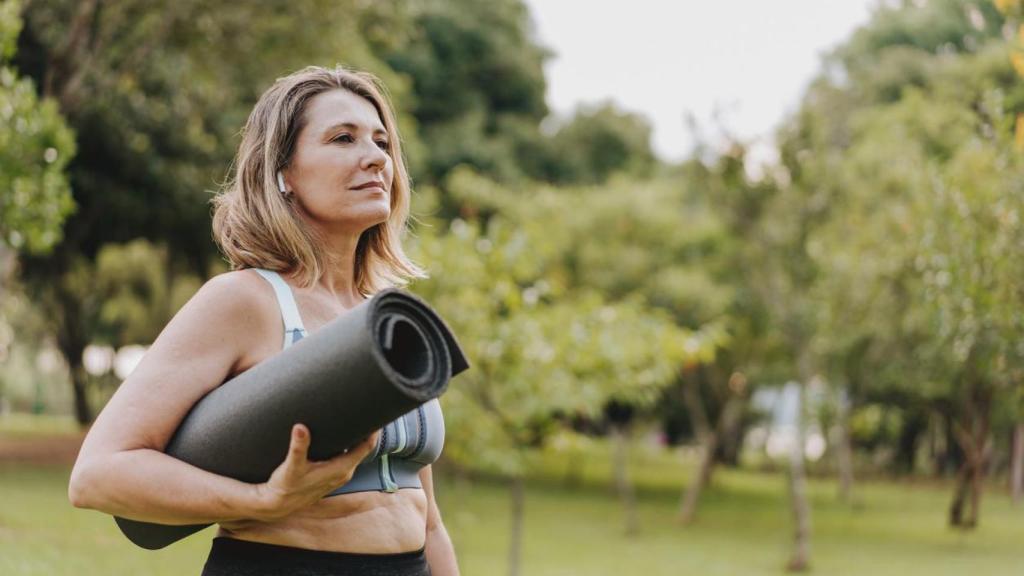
(864, 284)
(35, 147)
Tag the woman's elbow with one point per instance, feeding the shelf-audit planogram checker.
(79, 490)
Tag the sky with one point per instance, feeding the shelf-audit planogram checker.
(746, 61)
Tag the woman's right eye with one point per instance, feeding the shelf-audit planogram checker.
(343, 138)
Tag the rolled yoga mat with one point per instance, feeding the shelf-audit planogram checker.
(363, 370)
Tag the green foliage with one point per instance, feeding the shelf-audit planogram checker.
(35, 147)
(478, 78)
(873, 425)
(10, 27)
(139, 292)
(642, 237)
(544, 344)
(157, 93)
(598, 141)
(904, 152)
(923, 242)
(477, 73)
(930, 27)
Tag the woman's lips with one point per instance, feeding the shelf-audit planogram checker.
(377, 186)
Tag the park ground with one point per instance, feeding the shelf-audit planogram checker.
(573, 523)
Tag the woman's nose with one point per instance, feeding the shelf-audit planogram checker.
(375, 157)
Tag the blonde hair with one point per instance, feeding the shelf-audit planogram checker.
(257, 227)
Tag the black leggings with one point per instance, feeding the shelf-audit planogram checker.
(233, 557)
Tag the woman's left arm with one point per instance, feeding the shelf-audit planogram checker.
(439, 550)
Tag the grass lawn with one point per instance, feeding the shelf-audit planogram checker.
(743, 527)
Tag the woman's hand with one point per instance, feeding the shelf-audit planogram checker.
(299, 482)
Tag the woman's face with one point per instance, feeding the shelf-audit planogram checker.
(340, 173)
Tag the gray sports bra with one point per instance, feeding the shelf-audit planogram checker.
(405, 445)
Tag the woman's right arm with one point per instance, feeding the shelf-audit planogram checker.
(122, 469)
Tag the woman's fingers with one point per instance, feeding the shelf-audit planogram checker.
(299, 482)
(368, 445)
(361, 450)
(340, 468)
(298, 450)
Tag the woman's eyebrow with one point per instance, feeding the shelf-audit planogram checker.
(354, 127)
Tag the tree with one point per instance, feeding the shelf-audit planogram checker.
(715, 393)
(35, 147)
(597, 141)
(477, 72)
(907, 136)
(1013, 10)
(543, 347)
(139, 291)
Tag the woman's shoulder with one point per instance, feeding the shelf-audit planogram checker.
(246, 281)
(239, 293)
(229, 321)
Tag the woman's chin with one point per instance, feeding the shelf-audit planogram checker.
(382, 214)
(349, 223)
(370, 217)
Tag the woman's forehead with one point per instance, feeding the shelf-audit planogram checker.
(336, 109)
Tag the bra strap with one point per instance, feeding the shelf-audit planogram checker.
(286, 301)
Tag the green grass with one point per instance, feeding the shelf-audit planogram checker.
(28, 425)
(743, 527)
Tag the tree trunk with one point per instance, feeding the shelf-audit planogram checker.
(730, 444)
(623, 485)
(709, 444)
(844, 450)
(727, 423)
(695, 407)
(701, 478)
(915, 423)
(938, 446)
(79, 383)
(977, 474)
(956, 509)
(799, 561)
(71, 341)
(515, 549)
(1017, 464)
(954, 457)
(973, 437)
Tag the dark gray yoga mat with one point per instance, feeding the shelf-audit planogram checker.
(373, 364)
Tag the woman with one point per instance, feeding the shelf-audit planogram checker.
(311, 222)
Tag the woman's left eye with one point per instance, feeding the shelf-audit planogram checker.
(348, 139)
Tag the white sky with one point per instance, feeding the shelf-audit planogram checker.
(750, 59)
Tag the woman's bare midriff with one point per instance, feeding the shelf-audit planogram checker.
(361, 522)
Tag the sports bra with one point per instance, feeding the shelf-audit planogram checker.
(405, 446)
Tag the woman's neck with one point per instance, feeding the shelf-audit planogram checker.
(337, 279)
